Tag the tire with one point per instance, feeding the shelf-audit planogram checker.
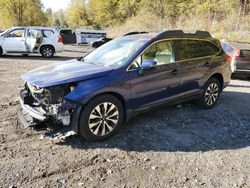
(1, 51)
(47, 51)
(210, 94)
(94, 125)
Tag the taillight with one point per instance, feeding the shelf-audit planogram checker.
(228, 58)
(236, 53)
(60, 39)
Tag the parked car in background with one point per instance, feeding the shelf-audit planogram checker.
(104, 40)
(100, 42)
(68, 36)
(28, 40)
(97, 93)
(89, 36)
(239, 57)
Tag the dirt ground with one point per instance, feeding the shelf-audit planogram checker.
(179, 146)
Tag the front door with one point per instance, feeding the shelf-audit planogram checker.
(156, 85)
(15, 41)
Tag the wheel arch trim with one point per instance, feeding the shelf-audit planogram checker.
(219, 77)
(79, 107)
(43, 45)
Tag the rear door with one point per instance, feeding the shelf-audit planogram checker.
(31, 39)
(197, 62)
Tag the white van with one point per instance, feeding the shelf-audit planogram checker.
(89, 36)
(26, 40)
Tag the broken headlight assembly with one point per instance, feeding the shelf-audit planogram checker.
(51, 100)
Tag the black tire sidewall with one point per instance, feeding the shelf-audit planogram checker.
(1, 51)
(44, 47)
(84, 117)
(202, 101)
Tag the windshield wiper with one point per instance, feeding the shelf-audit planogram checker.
(81, 59)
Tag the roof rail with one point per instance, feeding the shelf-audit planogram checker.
(180, 33)
(135, 33)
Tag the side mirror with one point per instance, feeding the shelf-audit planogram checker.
(148, 64)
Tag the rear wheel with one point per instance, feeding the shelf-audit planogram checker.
(101, 118)
(1, 51)
(211, 93)
(47, 51)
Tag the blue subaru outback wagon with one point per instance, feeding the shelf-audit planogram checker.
(98, 93)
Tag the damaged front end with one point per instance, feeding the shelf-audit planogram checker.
(43, 104)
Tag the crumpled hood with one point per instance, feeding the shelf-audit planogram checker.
(64, 72)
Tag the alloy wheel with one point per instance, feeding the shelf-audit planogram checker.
(103, 119)
(212, 94)
(47, 52)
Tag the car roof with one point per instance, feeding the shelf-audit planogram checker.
(172, 34)
(33, 27)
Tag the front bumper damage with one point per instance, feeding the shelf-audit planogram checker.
(33, 112)
(38, 114)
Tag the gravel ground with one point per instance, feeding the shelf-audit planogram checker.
(179, 146)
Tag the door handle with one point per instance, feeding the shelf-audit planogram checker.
(174, 72)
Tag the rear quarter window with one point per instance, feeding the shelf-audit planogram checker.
(48, 33)
(190, 49)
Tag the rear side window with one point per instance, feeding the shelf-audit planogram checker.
(189, 49)
(48, 33)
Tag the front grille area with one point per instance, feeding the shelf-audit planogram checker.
(47, 96)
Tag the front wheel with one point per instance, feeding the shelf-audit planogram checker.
(47, 51)
(101, 118)
(211, 93)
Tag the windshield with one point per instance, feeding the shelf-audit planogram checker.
(4, 32)
(116, 52)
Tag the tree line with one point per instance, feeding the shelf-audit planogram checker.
(153, 14)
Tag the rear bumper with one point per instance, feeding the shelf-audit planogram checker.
(226, 84)
(59, 47)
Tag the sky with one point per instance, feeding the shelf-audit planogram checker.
(55, 5)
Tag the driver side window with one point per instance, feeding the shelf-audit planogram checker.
(161, 52)
(19, 33)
